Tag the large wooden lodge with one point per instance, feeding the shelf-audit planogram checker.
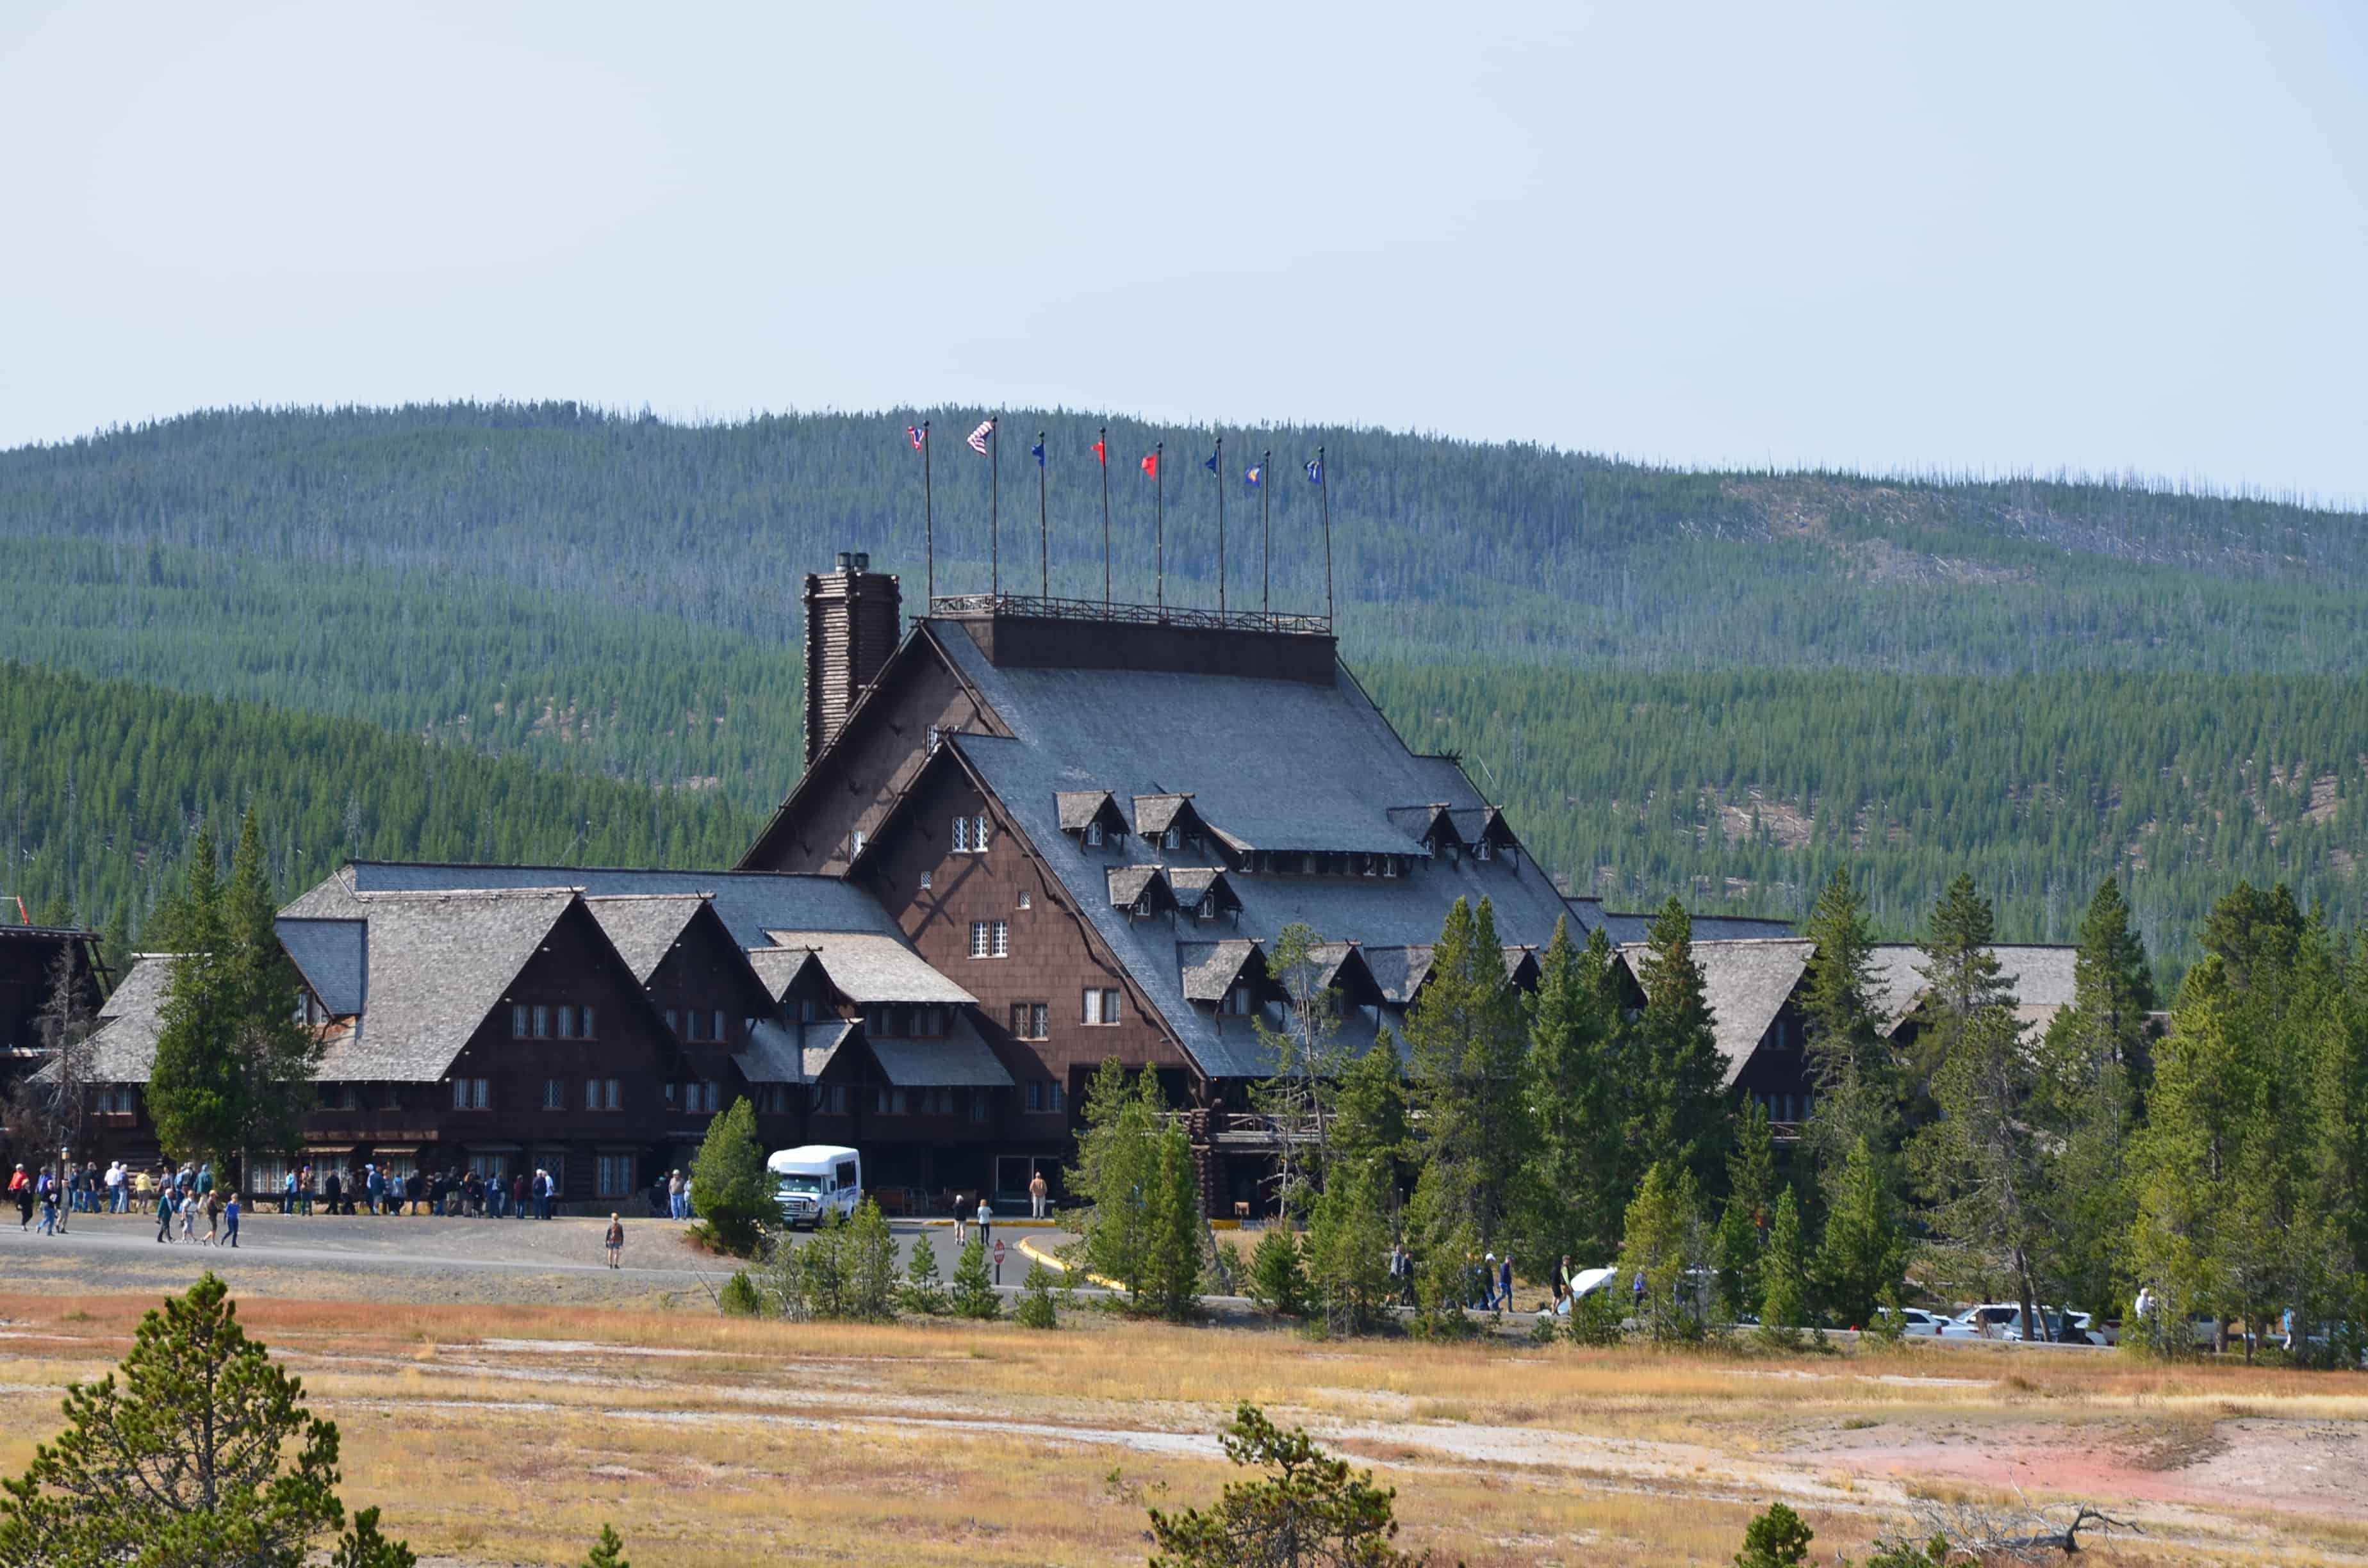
(1030, 835)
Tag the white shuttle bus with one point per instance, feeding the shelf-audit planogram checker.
(816, 1180)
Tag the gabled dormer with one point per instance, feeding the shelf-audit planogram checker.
(1171, 823)
(1228, 977)
(1433, 827)
(1141, 893)
(1483, 831)
(1092, 817)
(1204, 896)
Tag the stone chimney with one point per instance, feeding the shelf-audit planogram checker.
(852, 625)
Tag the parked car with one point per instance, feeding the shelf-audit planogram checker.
(1915, 1320)
(2003, 1320)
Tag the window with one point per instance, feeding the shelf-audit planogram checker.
(1389, 865)
(468, 1093)
(978, 1105)
(860, 841)
(1484, 850)
(1031, 1020)
(1207, 908)
(979, 937)
(115, 1102)
(674, 1023)
(978, 834)
(591, 1094)
(1093, 836)
(519, 1030)
(615, 1176)
(1237, 1000)
(1026, 903)
(1035, 1094)
(990, 938)
(583, 1019)
(721, 1032)
(1172, 839)
(614, 1101)
(541, 1022)
(961, 836)
(924, 882)
(937, 738)
(566, 1022)
(1060, 1097)
(697, 1023)
(1003, 938)
(669, 1093)
(1101, 1006)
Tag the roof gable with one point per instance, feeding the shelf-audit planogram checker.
(866, 967)
(643, 927)
(334, 958)
(1746, 984)
(1211, 969)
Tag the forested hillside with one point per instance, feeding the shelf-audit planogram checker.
(102, 784)
(2036, 681)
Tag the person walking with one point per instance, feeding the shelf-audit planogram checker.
(115, 1194)
(49, 1205)
(213, 1207)
(230, 1221)
(517, 1194)
(675, 1200)
(542, 1186)
(962, 1220)
(189, 1215)
(56, 1188)
(985, 1218)
(1036, 1192)
(615, 1240)
(20, 1188)
(163, 1212)
(1505, 1281)
(333, 1189)
(304, 1190)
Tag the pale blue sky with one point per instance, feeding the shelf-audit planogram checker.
(2112, 237)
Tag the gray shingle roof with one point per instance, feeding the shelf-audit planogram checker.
(772, 1053)
(749, 902)
(1127, 884)
(872, 967)
(962, 1059)
(1193, 883)
(643, 927)
(1079, 807)
(334, 958)
(123, 1048)
(1746, 983)
(777, 967)
(1208, 970)
(1155, 814)
(2041, 977)
(1399, 969)
(1625, 929)
(1280, 765)
(819, 1044)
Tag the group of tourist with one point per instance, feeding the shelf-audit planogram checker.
(375, 1189)
(449, 1194)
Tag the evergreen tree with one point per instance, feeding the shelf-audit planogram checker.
(608, 1552)
(1777, 1539)
(2093, 1067)
(1864, 1251)
(274, 1054)
(975, 1294)
(1662, 1240)
(1464, 1032)
(1681, 1113)
(1175, 1234)
(1961, 974)
(1743, 1224)
(194, 1094)
(923, 1294)
(1983, 1166)
(1308, 1511)
(1782, 1294)
(870, 1264)
(1115, 1172)
(1369, 1114)
(1349, 1244)
(1575, 1189)
(1277, 1274)
(1857, 1087)
(1036, 1306)
(727, 1182)
(202, 1453)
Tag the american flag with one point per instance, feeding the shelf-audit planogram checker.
(978, 437)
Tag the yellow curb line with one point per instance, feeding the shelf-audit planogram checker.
(1048, 1261)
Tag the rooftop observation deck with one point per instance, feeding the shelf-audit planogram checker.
(1026, 630)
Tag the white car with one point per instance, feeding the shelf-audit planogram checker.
(1915, 1320)
(2003, 1320)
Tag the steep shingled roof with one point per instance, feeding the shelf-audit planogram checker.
(1208, 970)
(334, 958)
(2040, 976)
(1746, 984)
(961, 1060)
(1128, 885)
(869, 967)
(749, 902)
(123, 1048)
(643, 927)
(1080, 807)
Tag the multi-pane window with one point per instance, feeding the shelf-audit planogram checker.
(925, 881)
(1237, 1000)
(541, 1022)
(555, 1093)
(1059, 1098)
(591, 1094)
(858, 841)
(990, 938)
(1036, 1094)
(610, 1095)
(674, 1022)
(584, 1023)
(566, 1021)
(615, 1176)
(978, 834)
(519, 1025)
(1101, 1005)
(1172, 839)
(978, 1105)
(1002, 938)
(1026, 901)
(468, 1093)
(1093, 836)
(961, 836)
(719, 1031)
(698, 1022)
(1031, 1020)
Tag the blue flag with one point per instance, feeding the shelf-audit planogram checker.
(1210, 462)
(1314, 471)
(1037, 452)
(1254, 475)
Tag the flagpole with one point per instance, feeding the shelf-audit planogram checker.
(1102, 452)
(1159, 526)
(1266, 525)
(1323, 483)
(1221, 528)
(1043, 535)
(993, 514)
(928, 524)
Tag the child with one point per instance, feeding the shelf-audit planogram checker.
(230, 1220)
(615, 1239)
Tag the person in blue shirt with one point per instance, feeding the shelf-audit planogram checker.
(230, 1221)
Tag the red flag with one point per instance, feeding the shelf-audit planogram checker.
(1151, 466)
(1101, 456)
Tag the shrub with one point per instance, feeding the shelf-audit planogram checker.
(1307, 1508)
(727, 1184)
(1777, 1539)
(924, 1292)
(1278, 1277)
(1036, 1307)
(740, 1298)
(974, 1295)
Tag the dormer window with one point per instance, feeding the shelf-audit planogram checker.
(1093, 836)
(1483, 851)
(1389, 865)
(1171, 839)
(1236, 1001)
(858, 840)
(1207, 908)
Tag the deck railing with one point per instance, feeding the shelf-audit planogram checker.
(961, 606)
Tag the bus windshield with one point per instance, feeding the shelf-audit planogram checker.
(809, 1185)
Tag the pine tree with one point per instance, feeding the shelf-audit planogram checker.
(1961, 974)
(1857, 1087)
(1307, 1511)
(1862, 1252)
(871, 1253)
(1575, 1189)
(608, 1552)
(1175, 1232)
(1368, 1117)
(193, 1089)
(203, 1452)
(1682, 1114)
(1782, 1296)
(1277, 1274)
(1464, 1031)
(1743, 1224)
(923, 1294)
(1115, 1172)
(1349, 1244)
(975, 1294)
(1308, 1061)
(275, 1054)
(1036, 1306)
(1984, 1167)
(1662, 1242)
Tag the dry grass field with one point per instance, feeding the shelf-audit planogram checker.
(506, 1434)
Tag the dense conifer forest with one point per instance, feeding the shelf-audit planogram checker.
(1721, 684)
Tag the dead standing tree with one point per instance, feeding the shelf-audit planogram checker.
(50, 1105)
